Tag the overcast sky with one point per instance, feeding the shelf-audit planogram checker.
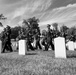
(48, 11)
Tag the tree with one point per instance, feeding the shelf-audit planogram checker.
(64, 28)
(72, 33)
(2, 17)
(44, 32)
(32, 25)
(55, 25)
(15, 32)
(25, 24)
(33, 20)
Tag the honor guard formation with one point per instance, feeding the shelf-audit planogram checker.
(35, 39)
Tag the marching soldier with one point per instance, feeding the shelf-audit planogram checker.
(44, 42)
(21, 34)
(37, 37)
(7, 40)
(29, 39)
(3, 37)
(49, 38)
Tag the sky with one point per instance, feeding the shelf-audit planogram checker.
(48, 11)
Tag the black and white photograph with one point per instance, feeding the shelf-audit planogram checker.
(37, 37)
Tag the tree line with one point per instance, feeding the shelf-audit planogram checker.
(32, 23)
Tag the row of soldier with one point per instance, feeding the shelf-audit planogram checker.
(47, 39)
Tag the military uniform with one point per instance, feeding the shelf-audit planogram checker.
(21, 34)
(29, 40)
(3, 37)
(27, 37)
(44, 42)
(49, 38)
(7, 40)
(37, 37)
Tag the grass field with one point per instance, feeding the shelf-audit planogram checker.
(37, 63)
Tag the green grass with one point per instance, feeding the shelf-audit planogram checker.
(37, 63)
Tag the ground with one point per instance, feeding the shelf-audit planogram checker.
(37, 63)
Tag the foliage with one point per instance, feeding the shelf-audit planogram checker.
(64, 28)
(2, 17)
(55, 25)
(44, 32)
(15, 32)
(32, 25)
(72, 33)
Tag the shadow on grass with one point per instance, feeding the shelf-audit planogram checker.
(15, 50)
(31, 54)
(72, 56)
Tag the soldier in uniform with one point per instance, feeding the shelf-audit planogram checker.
(3, 37)
(29, 38)
(7, 40)
(49, 38)
(21, 34)
(37, 37)
(44, 42)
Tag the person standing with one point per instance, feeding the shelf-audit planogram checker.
(37, 37)
(7, 40)
(29, 39)
(49, 38)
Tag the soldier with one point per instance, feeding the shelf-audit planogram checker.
(44, 42)
(3, 36)
(21, 34)
(29, 38)
(7, 40)
(37, 37)
(72, 38)
(49, 38)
